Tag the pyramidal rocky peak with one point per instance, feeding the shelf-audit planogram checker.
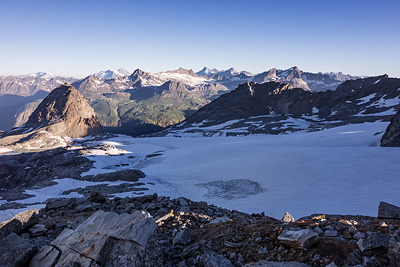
(64, 113)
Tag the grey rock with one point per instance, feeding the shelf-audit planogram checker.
(331, 233)
(46, 257)
(288, 218)
(373, 242)
(394, 249)
(110, 240)
(221, 220)
(318, 230)
(265, 263)
(183, 237)
(358, 235)
(388, 211)
(37, 230)
(56, 203)
(298, 239)
(19, 222)
(15, 251)
(212, 259)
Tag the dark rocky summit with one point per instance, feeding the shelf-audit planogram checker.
(63, 113)
(154, 230)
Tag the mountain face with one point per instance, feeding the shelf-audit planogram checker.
(276, 107)
(125, 103)
(63, 113)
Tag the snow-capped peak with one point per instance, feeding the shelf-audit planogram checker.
(112, 74)
(40, 74)
(206, 71)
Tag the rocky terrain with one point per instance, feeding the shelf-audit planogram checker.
(392, 134)
(63, 114)
(276, 107)
(144, 102)
(157, 231)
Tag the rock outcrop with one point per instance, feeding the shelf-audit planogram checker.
(98, 231)
(63, 114)
(392, 135)
(106, 239)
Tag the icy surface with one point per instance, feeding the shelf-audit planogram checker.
(340, 170)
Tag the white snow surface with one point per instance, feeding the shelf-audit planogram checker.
(366, 99)
(339, 170)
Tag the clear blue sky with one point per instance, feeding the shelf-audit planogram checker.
(81, 37)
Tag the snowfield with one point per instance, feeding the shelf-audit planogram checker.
(335, 171)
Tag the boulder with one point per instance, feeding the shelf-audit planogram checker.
(374, 241)
(110, 240)
(15, 251)
(183, 237)
(19, 222)
(37, 230)
(298, 239)
(212, 259)
(287, 218)
(56, 203)
(388, 211)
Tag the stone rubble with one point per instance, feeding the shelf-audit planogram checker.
(98, 231)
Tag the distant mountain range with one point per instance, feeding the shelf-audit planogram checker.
(141, 102)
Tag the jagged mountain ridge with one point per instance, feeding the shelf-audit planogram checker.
(131, 98)
(275, 107)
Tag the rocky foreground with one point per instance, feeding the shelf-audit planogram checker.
(157, 231)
